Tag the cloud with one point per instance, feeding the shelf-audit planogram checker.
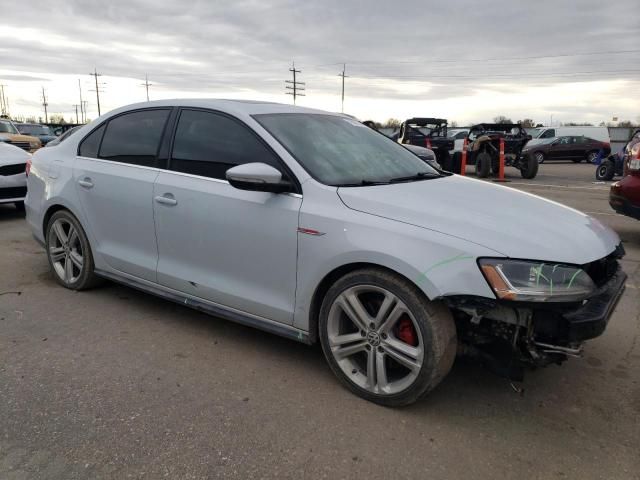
(392, 51)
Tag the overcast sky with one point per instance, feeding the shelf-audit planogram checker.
(463, 60)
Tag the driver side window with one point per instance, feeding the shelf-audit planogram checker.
(208, 144)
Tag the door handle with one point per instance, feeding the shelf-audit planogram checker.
(166, 199)
(86, 183)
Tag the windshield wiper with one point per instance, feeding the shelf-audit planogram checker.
(361, 183)
(417, 176)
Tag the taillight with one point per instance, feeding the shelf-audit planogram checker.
(634, 158)
(28, 168)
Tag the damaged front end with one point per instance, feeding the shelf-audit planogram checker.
(526, 327)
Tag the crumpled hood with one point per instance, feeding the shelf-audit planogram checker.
(510, 222)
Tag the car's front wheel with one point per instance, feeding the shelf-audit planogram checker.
(384, 339)
(69, 252)
(539, 156)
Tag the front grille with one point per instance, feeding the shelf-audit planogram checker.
(13, 192)
(22, 145)
(13, 169)
(601, 271)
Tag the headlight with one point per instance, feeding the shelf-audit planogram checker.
(527, 281)
(34, 144)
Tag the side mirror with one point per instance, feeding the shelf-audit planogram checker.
(257, 177)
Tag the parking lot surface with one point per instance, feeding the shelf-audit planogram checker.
(114, 383)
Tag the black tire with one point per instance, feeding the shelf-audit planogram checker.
(529, 167)
(86, 277)
(539, 156)
(605, 171)
(449, 161)
(19, 206)
(436, 329)
(483, 165)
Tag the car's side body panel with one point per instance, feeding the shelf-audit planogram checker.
(116, 201)
(233, 247)
(446, 264)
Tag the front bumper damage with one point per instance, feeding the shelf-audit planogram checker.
(509, 337)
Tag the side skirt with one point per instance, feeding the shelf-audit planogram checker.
(211, 308)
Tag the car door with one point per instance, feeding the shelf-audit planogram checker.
(233, 247)
(559, 149)
(114, 172)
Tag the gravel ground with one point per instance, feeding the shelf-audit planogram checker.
(114, 383)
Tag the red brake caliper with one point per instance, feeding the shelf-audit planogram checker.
(407, 332)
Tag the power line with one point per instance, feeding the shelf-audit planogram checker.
(506, 75)
(95, 74)
(294, 85)
(490, 59)
(146, 84)
(45, 105)
(344, 68)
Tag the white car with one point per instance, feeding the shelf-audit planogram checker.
(458, 135)
(310, 225)
(13, 174)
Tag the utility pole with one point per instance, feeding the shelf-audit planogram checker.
(294, 85)
(4, 108)
(45, 105)
(95, 74)
(344, 68)
(82, 115)
(76, 107)
(85, 103)
(146, 84)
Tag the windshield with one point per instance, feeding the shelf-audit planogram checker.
(340, 151)
(34, 130)
(7, 127)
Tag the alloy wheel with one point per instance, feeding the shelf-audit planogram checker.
(539, 157)
(65, 251)
(375, 339)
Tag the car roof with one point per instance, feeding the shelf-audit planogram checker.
(242, 107)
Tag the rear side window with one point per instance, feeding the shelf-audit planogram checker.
(134, 137)
(89, 146)
(208, 144)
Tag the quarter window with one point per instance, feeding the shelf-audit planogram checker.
(91, 143)
(134, 137)
(208, 144)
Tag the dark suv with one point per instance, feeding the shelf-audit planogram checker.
(430, 133)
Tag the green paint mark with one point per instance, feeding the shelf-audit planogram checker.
(573, 277)
(446, 261)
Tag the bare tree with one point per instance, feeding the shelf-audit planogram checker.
(527, 123)
(392, 123)
(502, 119)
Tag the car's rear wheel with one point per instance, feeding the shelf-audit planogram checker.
(384, 339)
(591, 157)
(69, 252)
(483, 164)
